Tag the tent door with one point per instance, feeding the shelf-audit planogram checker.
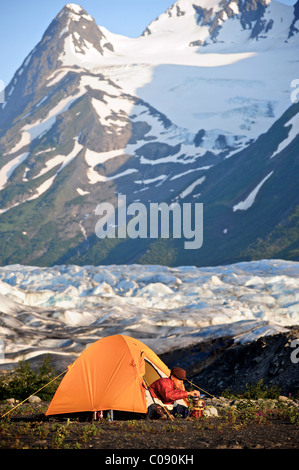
(152, 373)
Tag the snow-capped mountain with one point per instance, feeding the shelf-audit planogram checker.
(221, 25)
(197, 109)
(72, 32)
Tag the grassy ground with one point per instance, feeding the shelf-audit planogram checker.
(246, 424)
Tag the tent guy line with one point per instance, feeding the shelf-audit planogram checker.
(44, 386)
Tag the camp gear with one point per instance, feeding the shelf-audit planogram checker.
(198, 407)
(156, 411)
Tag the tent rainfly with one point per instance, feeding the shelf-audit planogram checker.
(111, 374)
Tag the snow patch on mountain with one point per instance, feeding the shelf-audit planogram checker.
(62, 160)
(247, 203)
(7, 170)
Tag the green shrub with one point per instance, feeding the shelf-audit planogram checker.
(255, 391)
(23, 381)
(259, 390)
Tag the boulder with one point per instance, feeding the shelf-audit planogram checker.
(210, 412)
(34, 399)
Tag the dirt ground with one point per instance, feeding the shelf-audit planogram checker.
(191, 435)
(33, 430)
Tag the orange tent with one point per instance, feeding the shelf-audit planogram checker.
(111, 374)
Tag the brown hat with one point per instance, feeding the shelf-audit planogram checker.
(178, 373)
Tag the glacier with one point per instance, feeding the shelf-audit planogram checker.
(61, 309)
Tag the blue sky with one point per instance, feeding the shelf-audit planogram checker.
(24, 22)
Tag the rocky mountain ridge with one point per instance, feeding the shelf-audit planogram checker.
(222, 365)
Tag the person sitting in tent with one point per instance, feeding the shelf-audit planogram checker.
(167, 391)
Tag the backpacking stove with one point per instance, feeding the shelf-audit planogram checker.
(198, 407)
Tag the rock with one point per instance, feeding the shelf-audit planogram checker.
(34, 399)
(210, 412)
(257, 359)
(283, 398)
(11, 401)
(237, 367)
(223, 401)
